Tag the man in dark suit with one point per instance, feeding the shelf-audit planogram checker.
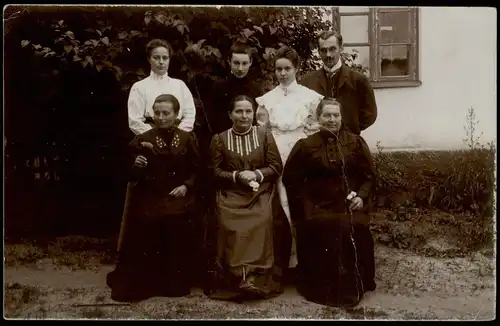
(335, 80)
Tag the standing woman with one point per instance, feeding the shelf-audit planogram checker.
(330, 178)
(156, 250)
(143, 94)
(288, 111)
(254, 239)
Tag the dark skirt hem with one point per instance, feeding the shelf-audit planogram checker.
(331, 271)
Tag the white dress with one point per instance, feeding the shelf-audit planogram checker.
(143, 94)
(290, 112)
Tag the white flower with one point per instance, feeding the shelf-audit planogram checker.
(351, 195)
(255, 185)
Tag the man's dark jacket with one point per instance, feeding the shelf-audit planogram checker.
(354, 92)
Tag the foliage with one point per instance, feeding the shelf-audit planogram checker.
(461, 180)
(432, 233)
(448, 180)
(113, 39)
(349, 58)
(471, 139)
(78, 64)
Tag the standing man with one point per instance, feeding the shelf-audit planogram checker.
(351, 88)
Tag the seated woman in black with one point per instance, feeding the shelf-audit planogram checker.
(156, 245)
(329, 177)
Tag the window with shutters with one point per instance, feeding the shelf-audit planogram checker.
(386, 40)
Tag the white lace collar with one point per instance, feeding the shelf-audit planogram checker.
(155, 76)
(292, 88)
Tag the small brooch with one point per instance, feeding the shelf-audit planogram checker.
(175, 141)
(160, 143)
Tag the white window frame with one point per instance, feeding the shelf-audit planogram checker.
(376, 78)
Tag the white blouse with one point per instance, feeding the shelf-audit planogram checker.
(143, 94)
(289, 108)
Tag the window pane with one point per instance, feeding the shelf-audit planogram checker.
(354, 29)
(343, 9)
(395, 60)
(363, 55)
(395, 27)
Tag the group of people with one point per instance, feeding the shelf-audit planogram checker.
(285, 175)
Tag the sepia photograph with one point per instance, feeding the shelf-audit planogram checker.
(189, 162)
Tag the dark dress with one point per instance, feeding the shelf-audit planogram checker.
(334, 248)
(223, 93)
(215, 121)
(253, 238)
(156, 244)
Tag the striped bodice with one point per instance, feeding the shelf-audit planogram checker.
(243, 143)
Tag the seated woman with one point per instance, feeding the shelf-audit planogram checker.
(156, 245)
(329, 177)
(254, 239)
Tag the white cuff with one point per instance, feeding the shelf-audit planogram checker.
(260, 175)
(234, 176)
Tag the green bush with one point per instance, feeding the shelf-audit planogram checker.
(78, 64)
(76, 57)
(447, 180)
(107, 38)
(452, 181)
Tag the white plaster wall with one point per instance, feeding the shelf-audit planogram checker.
(457, 70)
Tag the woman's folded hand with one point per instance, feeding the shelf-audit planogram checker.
(141, 161)
(356, 204)
(179, 191)
(247, 176)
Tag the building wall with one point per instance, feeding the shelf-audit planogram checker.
(457, 69)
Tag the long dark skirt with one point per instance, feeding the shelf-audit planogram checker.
(258, 283)
(336, 266)
(154, 258)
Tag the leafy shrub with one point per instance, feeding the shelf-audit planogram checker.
(448, 180)
(456, 181)
(114, 39)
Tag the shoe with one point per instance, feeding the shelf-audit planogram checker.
(226, 296)
(121, 297)
(248, 286)
(350, 302)
(176, 293)
(370, 286)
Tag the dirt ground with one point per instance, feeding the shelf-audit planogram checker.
(65, 281)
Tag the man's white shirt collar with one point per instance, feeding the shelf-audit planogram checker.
(334, 68)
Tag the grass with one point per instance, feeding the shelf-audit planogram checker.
(430, 233)
(427, 242)
(362, 313)
(453, 181)
(93, 313)
(400, 274)
(418, 230)
(17, 296)
(76, 252)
